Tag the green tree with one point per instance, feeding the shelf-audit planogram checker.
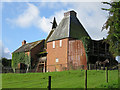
(113, 25)
(5, 62)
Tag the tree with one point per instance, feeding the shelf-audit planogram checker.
(5, 62)
(113, 25)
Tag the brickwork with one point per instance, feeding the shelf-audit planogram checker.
(72, 53)
(35, 51)
(77, 55)
(59, 53)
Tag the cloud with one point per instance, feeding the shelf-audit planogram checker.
(44, 23)
(92, 18)
(27, 18)
(4, 52)
(90, 15)
(31, 17)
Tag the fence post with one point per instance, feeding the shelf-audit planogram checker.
(106, 74)
(85, 79)
(89, 67)
(49, 83)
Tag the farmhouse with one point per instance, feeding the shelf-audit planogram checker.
(27, 56)
(68, 46)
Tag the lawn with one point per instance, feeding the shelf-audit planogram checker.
(64, 79)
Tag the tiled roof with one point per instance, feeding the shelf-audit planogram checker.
(28, 46)
(68, 27)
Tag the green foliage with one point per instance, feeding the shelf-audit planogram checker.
(20, 57)
(5, 62)
(86, 42)
(113, 24)
(43, 52)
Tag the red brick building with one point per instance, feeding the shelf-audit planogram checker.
(65, 47)
(68, 46)
(33, 51)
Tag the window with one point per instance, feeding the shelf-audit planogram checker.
(60, 43)
(53, 44)
(57, 60)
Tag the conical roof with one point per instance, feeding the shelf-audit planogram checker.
(69, 27)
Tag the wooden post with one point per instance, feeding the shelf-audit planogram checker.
(85, 79)
(96, 66)
(99, 67)
(106, 74)
(44, 67)
(89, 67)
(49, 83)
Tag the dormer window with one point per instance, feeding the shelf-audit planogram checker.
(53, 44)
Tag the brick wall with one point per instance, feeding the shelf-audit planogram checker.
(77, 55)
(72, 53)
(37, 49)
(59, 53)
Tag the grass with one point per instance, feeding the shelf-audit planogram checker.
(64, 79)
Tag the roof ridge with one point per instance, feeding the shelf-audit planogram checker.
(27, 46)
(35, 41)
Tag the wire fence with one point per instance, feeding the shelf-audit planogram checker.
(60, 67)
(46, 81)
(63, 67)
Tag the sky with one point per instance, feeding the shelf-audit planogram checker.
(30, 21)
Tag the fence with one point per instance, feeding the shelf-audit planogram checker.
(63, 67)
(48, 80)
(60, 67)
(7, 70)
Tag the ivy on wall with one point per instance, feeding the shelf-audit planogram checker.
(20, 57)
(86, 42)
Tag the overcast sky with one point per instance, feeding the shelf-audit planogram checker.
(30, 21)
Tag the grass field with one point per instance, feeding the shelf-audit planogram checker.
(65, 79)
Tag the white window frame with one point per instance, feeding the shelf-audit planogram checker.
(60, 43)
(53, 44)
(57, 60)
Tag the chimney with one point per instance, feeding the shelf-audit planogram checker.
(70, 13)
(23, 42)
